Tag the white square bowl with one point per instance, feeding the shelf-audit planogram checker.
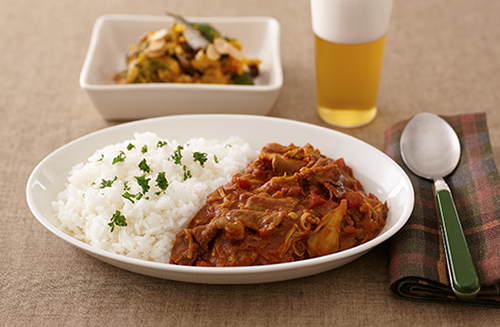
(111, 36)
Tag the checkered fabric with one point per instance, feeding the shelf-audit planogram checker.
(418, 265)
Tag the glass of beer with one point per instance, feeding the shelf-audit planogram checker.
(349, 43)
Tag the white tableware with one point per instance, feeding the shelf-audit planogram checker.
(111, 36)
(377, 172)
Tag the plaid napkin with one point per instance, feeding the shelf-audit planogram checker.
(418, 264)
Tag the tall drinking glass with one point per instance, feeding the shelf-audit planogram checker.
(349, 43)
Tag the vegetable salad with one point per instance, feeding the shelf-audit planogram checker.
(187, 53)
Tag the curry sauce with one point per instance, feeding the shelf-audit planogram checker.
(289, 204)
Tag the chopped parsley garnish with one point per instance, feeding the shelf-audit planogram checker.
(177, 156)
(161, 144)
(101, 158)
(129, 196)
(108, 183)
(161, 182)
(130, 146)
(200, 157)
(187, 173)
(215, 159)
(144, 166)
(143, 183)
(125, 186)
(120, 157)
(117, 220)
(144, 149)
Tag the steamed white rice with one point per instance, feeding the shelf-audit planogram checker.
(95, 189)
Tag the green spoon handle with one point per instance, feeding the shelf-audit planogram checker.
(463, 276)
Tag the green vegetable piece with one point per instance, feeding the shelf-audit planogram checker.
(206, 30)
(144, 166)
(161, 181)
(143, 183)
(187, 173)
(144, 149)
(161, 144)
(245, 79)
(130, 146)
(177, 156)
(129, 196)
(119, 158)
(117, 220)
(200, 157)
(107, 183)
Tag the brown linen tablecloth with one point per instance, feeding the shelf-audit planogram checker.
(441, 56)
(418, 264)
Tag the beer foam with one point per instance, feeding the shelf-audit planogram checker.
(350, 21)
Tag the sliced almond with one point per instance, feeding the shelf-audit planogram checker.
(158, 35)
(132, 71)
(224, 47)
(156, 49)
(156, 45)
(221, 45)
(198, 55)
(235, 53)
(211, 53)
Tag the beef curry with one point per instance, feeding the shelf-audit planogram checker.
(289, 204)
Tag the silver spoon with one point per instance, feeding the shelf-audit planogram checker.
(431, 149)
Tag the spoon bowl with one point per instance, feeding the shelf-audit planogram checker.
(429, 146)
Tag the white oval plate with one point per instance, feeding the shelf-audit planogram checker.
(378, 173)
